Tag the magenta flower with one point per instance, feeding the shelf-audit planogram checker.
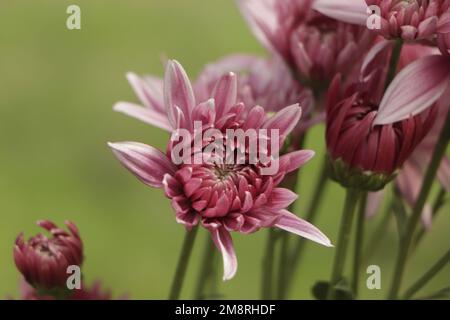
(409, 20)
(316, 46)
(222, 197)
(43, 261)
(375, 134)
(261, 82)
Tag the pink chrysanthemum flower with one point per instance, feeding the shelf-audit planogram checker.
(221, 197)
(316, 46)
(374, 134)
(43, 261)
(410, 20)
(262, 82)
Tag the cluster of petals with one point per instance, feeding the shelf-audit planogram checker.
(44, 261)
(316, 46)
(221, 197)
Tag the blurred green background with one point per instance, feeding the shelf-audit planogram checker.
(57, 88)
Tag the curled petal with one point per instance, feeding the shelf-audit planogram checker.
(350, 11)
(284, 120)
(296, 159)
(150, 116)
(222, 240)
(417, 87)
(178, 94)
(145, 162)
(291, 223)
(225, 93)
(281, 198)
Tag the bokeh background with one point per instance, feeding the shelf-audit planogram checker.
(57, 88)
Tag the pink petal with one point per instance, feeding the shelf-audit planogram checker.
(148, 90)
(284, 120)
(296, 159)
(444, 23)
(145, 162)
(291, 223)
(374, 200)
(261, 16)
(150, 116)
(178, 93)
(281, 198)
(414, 89)
(350, 11)
(225, 94)
(222, 240)
(444, 173)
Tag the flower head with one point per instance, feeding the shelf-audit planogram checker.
(43, 261)
(410, 20)
(262, 82)
(370, 135)
(316, 46)
(222, 195)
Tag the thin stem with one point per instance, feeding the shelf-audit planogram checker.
(351, 200)
(430, 174)
(379, 231)
(268, 266)
(311, 214)
(395, 57)
(359, 238)
(183, 262)
(437, 205)
(205, 273)
(419, 284)
(283, 266)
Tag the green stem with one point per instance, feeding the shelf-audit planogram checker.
(268, 262)
(430, 174)
(395, 57)
(419, 284)
(379, 231)
(183, 262)
(205, 273)
(351, 200)
(359, 238)
(311, 214)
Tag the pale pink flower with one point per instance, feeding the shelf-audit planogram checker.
(262, 82)
(223, 198)
(316, 46)
(43, 261)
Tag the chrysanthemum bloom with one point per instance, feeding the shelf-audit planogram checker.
(43, 261)
(223, 197)
(316, 46)
(409, 20)
(409, 179)
(369, 137)
(262, 82)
